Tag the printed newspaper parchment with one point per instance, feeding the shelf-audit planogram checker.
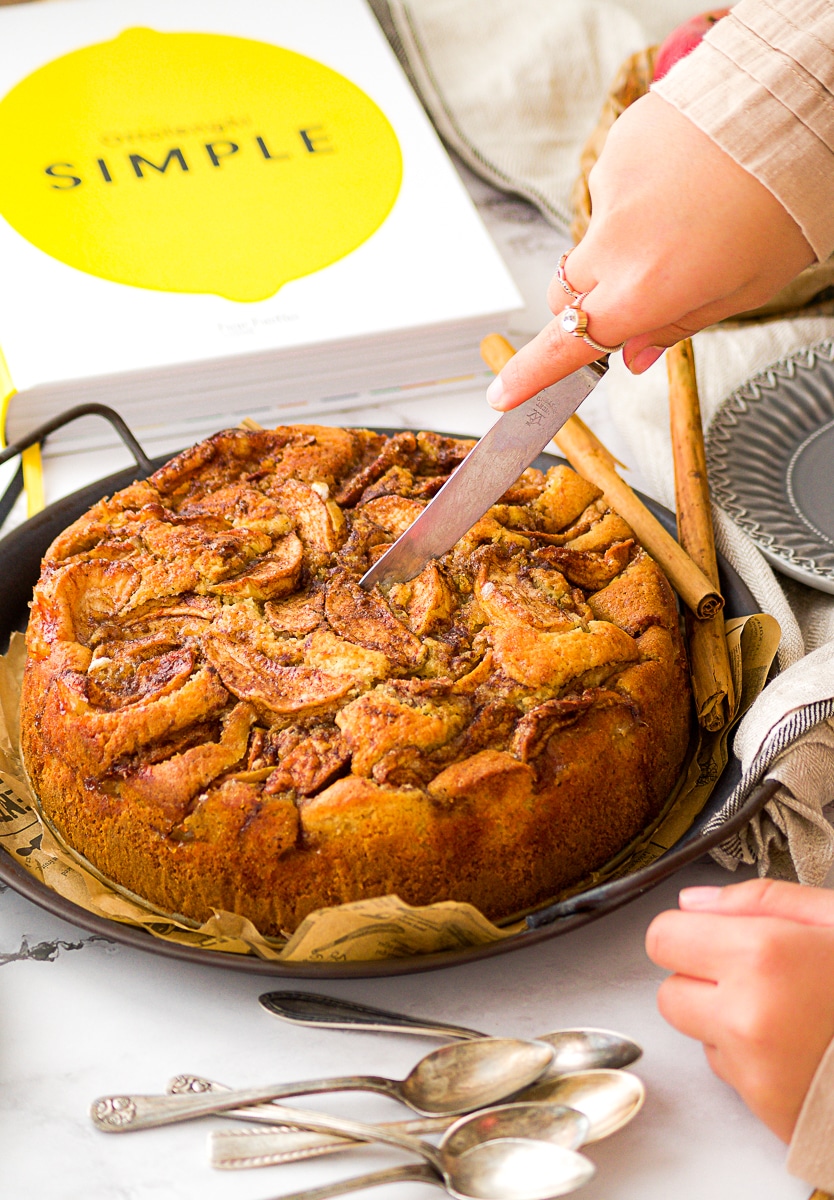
(365, 930)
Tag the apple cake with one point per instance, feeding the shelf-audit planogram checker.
(217, 716)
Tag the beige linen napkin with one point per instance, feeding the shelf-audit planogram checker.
(788, 734)
(515, 87)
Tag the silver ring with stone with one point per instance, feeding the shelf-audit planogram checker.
(574, 320)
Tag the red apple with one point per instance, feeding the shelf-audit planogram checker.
(684, 39)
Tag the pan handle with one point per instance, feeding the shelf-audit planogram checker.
(9, 497)
(72, 414)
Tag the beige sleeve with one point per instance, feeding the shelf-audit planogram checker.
(761, 84)
(811, 1154)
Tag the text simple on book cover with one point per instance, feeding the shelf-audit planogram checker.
(184, 182)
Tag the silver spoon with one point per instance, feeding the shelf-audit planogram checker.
(503, 1168)
(609, 1099)
(449, 1081)
(554, 1174)
(242, 1148)
(574, 1049)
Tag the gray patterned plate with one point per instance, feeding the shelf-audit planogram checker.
(770, 452)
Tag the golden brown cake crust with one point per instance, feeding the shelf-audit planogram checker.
(218, 717)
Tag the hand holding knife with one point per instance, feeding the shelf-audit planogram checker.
(498, 459)
(490, 468)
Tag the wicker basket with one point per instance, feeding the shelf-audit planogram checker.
(814, 285)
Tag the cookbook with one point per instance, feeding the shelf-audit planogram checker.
(211, 208)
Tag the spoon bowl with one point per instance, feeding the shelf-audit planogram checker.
(588, 1050)
(463, 1077)
(608, 1098)
(517, 1169)
(553, 1123)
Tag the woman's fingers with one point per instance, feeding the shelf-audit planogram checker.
(763, 898)
(554, 353)
(700, 945)
(551, 355)
(680, 237)
(658, 339)
(691, 1006)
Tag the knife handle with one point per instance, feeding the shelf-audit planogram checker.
(496, 352)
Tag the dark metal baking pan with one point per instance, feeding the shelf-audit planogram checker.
(20, 558)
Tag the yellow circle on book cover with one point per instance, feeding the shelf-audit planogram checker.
(195, 162)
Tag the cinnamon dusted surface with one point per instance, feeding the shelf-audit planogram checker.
(218, 717)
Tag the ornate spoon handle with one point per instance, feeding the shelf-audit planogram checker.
(327, 1124)
(123, 1114)
(299, 1143)
(236, 1149)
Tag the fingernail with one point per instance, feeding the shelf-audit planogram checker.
(699, 897)
(644, 359)
(495, 391)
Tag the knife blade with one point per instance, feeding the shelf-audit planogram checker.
(483, 477)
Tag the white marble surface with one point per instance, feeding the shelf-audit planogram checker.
(83, 1016)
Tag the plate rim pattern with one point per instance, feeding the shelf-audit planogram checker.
(790, 547)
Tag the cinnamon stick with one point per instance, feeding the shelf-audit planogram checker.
(712, 679)
(589, 457)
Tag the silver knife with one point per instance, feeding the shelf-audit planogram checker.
(489, 468)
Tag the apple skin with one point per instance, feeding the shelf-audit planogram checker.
(684, 39)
